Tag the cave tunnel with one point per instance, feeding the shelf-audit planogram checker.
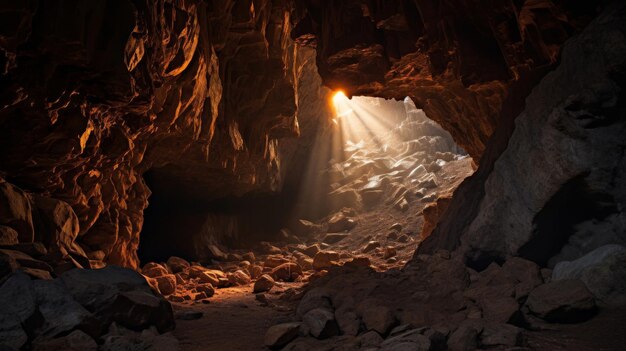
(312, 175)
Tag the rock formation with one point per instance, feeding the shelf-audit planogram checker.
(94, 97)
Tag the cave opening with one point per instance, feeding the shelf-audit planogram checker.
(373, 183)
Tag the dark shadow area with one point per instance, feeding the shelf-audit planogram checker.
(174, 225)
(574, 203)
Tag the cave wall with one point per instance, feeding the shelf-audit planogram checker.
(95, 93)
(471, 67)
(455, 59)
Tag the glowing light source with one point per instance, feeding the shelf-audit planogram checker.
(338, 97)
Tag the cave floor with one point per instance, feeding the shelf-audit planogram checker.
(234, 319)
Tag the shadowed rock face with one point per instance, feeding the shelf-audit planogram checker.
(94, 94)
(455, 59)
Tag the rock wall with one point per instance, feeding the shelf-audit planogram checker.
(557, 189)
(454, 59)
(93, 94)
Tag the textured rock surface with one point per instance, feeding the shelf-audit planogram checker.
(455, 59)
(201, 90)
(562, 155)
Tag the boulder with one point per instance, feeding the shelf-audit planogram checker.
(16, 211)
(177, 264)
(377, 317)
(603, 271)
(166, 284)
(287, 272)
(119, 294)
(563, 301)
(314, 298)
(25, 260)
(464, 338)
(239, 277)
(264, 283)
(59, 227)
(321, 323)
(59, 312)
(280, 335)
(500, 309)
(348, 321)
(139, 310)
(17, 305)
(153, 270)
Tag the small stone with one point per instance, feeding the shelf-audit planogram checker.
(325, 259)
(389, 252)
(255, 271)
(311, 250)
(396, 227)
(371, 246)
(392, 235)
(333, 238)
(263, 284)
(340, 223)
(206, 288)
(166, 284)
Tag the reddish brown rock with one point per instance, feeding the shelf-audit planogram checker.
(264, 283)
(287, 272)
(166, 283)
(325, 260)
(154, 270)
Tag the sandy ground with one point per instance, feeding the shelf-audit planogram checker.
(233, 320)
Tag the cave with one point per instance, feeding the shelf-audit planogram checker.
(312, 175)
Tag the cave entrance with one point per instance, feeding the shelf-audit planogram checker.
(389, 176)
(374, 183)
